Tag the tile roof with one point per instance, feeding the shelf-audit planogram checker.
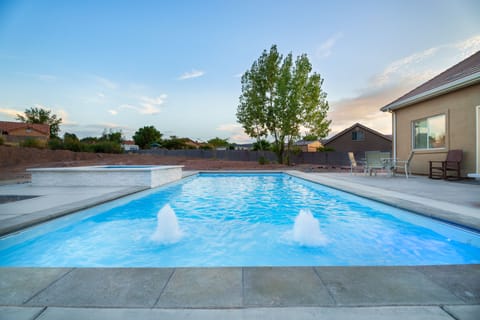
(9, 126)
(464, 73)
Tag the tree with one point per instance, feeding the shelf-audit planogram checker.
(112, 136)
(279, 96)
(42, 116)
(261, 145)
(145, 136)
(174, 143)
(218, 143)
(310, 137)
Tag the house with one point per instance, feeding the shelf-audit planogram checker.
(19, 131)
(244, 146)
(359, 138)
(440, 115)
(308, 146)
(129, 145)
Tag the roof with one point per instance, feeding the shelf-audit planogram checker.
(463, 74)
(305, 142)
(386, 137)
(8, 126)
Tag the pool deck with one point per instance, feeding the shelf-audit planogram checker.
(420, 292)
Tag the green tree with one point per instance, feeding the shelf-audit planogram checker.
(261, 145)
(279, 96)
(218, 143)
(112, 136)
(143, 137)
(310, 137)
(174, 143)
(42, 116)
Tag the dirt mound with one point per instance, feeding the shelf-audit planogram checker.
(15, 160)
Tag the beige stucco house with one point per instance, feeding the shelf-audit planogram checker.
(440, 115)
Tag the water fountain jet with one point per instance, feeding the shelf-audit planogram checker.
(306, 230)
(168, 230)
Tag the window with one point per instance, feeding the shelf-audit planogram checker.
(358, 135)
(429, 133)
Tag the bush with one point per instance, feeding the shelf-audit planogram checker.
(106, 147)
(1, 141)
(55, 144)
(33, 143)
(262, 160)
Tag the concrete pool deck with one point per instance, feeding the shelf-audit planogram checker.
(425, 292)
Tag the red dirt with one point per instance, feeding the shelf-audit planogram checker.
(15, 160)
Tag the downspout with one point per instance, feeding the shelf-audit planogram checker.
(394, 125)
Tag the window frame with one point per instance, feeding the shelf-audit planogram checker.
(428, 148)
(356, 132)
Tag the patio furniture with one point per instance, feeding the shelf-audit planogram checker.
(440, 169)
(392, 164)
(354, 164)
(373, 161)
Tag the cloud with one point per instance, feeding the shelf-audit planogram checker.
(39, 76)
(10, 113)
(147, 105)
(325, 49)
(396, 79)
(402, 67)
(192, 74)
(236, 132)
(113, 112)
(468, 47)
(109, 84)
(65, 117)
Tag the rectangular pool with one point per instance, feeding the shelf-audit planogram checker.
(241, 220)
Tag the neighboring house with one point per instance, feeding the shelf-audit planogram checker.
(308, 146)
(359, 138)
(129, 145)
(19, 131)
(440, 115)
(245, 146)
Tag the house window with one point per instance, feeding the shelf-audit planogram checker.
(358, 135)
(429, 133)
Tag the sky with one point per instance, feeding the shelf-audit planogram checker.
(176, 65)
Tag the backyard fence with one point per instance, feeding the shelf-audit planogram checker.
(331, 158)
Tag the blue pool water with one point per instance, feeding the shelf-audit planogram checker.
(241, 220)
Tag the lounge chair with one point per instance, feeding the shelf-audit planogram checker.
(440, 169)
(354, 164)
(374, 161)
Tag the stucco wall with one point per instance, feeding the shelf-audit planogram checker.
(459, 108)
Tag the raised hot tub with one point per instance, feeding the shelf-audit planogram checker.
(106, 176)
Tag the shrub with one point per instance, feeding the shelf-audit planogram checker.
(55, 144)
(1, 141)
(107, 147)
(33, 143)
(262, 160)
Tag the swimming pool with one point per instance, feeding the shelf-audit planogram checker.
(241, 220)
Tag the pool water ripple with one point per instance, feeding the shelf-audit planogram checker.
(240, 220)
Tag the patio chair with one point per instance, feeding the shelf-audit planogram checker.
(440, 169)
(393, 164)
(354, 164)
(374, 162)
